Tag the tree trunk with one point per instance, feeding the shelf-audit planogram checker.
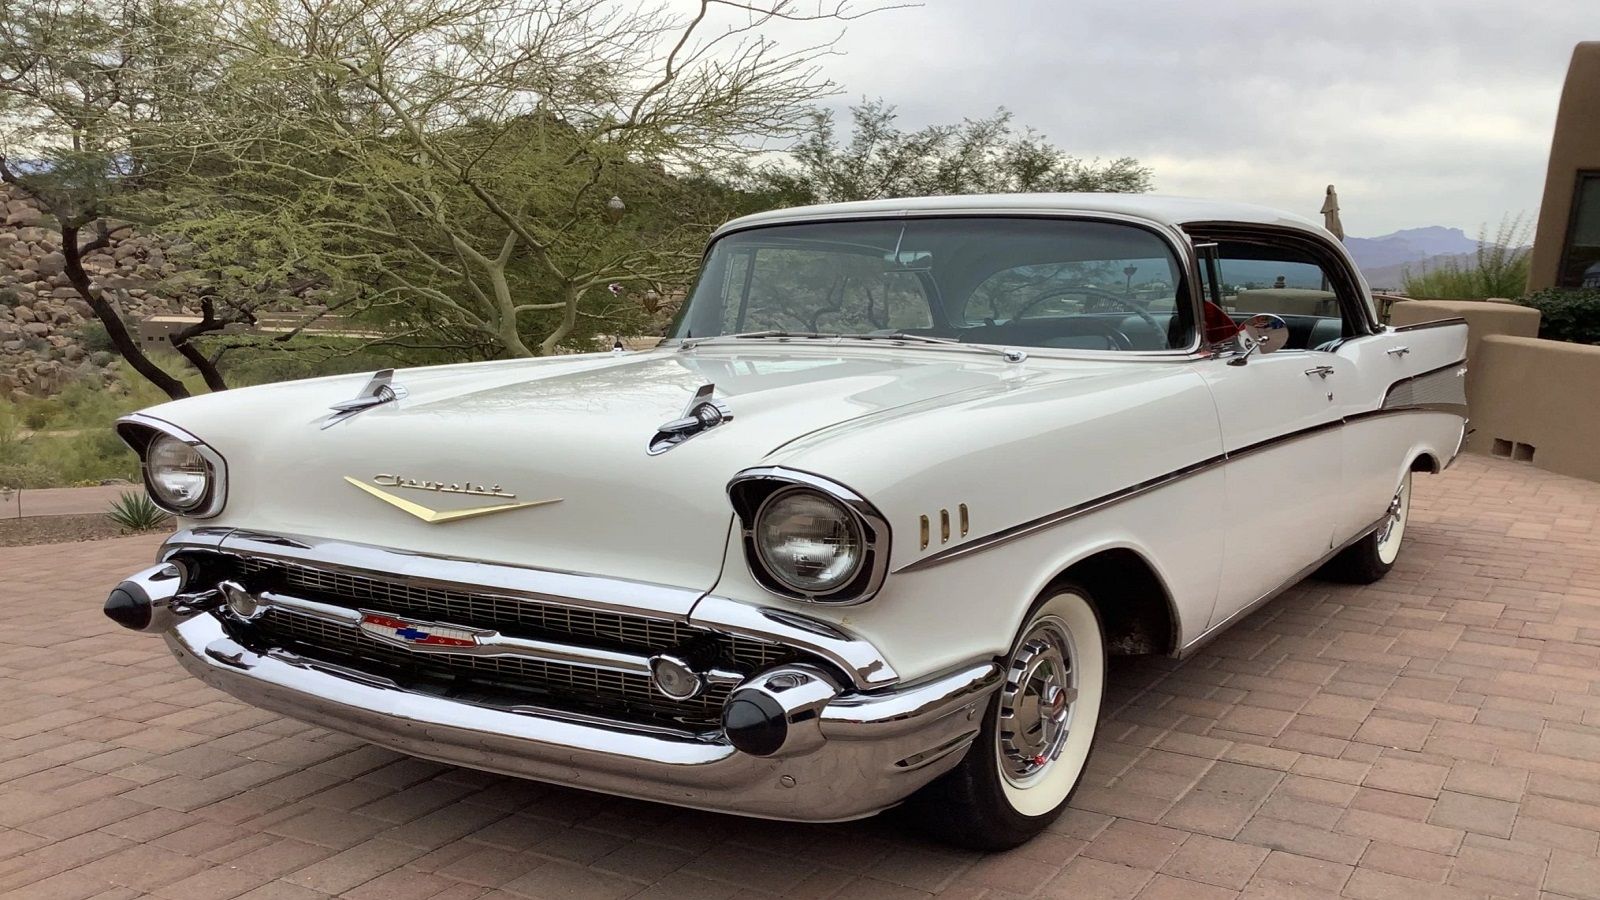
(125, 344)
(204, 365)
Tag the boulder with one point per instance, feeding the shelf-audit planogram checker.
(23, 215)
(52, 263)
(36, 329)
(24, 314)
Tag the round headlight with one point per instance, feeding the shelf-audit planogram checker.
(178, 475)
(808, 541)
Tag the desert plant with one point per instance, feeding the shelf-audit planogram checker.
(1498, 268)
(1568, 314)
(15, 476)
(134, 511)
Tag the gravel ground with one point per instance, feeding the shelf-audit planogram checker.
(58, 529)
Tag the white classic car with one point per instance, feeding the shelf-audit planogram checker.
(863, 530)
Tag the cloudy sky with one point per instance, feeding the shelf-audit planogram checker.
(1422, 112)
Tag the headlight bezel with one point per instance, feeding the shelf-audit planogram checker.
(140, 432)
(752, 493)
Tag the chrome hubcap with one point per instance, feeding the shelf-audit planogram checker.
(1392, 518)
(1036, 704)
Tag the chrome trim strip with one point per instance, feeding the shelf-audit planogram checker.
(858, 659)
(876, 531)
(550, 586)
(1205, 637)
(1049, 520)
(487, 641)
(844, 778)
(128, 428)
(1431, 323)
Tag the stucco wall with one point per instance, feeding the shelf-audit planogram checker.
(1574, 146)
(1483, 317)
(1536, 398)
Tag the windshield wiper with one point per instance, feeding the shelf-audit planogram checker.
(1010, 354)
(748, 335)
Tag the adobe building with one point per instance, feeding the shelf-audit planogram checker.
(1566, 245)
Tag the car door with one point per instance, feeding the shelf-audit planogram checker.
(1281, 413)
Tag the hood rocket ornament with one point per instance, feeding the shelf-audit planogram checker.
(702, 414)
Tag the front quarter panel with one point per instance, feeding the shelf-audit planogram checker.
(1050, 445)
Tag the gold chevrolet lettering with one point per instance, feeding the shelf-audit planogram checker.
(437, 516)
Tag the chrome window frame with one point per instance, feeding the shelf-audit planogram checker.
(139, 430)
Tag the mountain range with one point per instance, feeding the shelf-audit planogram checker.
(1385, 259)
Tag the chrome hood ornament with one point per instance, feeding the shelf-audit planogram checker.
(379, 389)
(702, 414)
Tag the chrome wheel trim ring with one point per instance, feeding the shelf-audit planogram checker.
(1393, 529)
(1037, 702)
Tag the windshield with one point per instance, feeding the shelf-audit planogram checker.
(1016, 282)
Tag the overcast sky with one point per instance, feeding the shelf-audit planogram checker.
(1422, 112)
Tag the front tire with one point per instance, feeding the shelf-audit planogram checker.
(1371, 558)
(1031, 752)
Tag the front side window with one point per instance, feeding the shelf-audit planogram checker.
(1058, 283)
(1285, 280)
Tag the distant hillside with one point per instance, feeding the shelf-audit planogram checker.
(1392, 277)
(1409, 245)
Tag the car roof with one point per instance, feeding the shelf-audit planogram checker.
(1173, 212)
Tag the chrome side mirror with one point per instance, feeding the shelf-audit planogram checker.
(1261, 333)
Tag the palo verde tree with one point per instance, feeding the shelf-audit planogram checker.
(977, 156)
(81, 83)
(491, 174)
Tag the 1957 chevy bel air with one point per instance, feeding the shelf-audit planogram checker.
(863, 530)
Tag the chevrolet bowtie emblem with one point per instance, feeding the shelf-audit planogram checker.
(436, 516)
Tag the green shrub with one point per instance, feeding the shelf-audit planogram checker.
(136, 512)
(27, 476)
(94, 337)
(1499, 268)
(9, 298)
(1568, 314)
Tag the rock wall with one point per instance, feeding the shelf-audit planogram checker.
(49, 337)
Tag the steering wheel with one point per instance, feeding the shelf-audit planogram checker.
(1126, 303)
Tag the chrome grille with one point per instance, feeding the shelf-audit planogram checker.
(523, 680)
(511, 615)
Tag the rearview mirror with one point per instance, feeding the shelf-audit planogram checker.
(1261, 333)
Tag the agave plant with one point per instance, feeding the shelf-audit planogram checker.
(136, 512)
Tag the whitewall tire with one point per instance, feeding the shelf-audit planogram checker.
(1371, 558)
(1032, 750)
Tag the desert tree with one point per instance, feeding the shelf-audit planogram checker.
(490, 173)
(976, 156)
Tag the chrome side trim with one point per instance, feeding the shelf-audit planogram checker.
(1050, 520)
(549, 586)
(138, 430)
(1206, 637)
(1433, 323)
(859, 660)
(745, 495)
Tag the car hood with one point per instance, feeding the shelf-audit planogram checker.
(565, 436)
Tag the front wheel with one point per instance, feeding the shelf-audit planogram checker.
(1031, 751)
(1371, 558)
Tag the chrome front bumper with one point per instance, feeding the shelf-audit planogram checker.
(878, 746)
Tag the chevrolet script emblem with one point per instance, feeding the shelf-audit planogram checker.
(436, 516)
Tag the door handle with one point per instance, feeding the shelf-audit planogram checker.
(1398, 351)
(1320, 371)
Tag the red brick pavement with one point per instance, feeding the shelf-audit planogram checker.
(1434, 735)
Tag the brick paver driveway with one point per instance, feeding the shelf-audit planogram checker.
(1435, 735)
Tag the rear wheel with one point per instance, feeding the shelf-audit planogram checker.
(1030, 754)
(1371, 558)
